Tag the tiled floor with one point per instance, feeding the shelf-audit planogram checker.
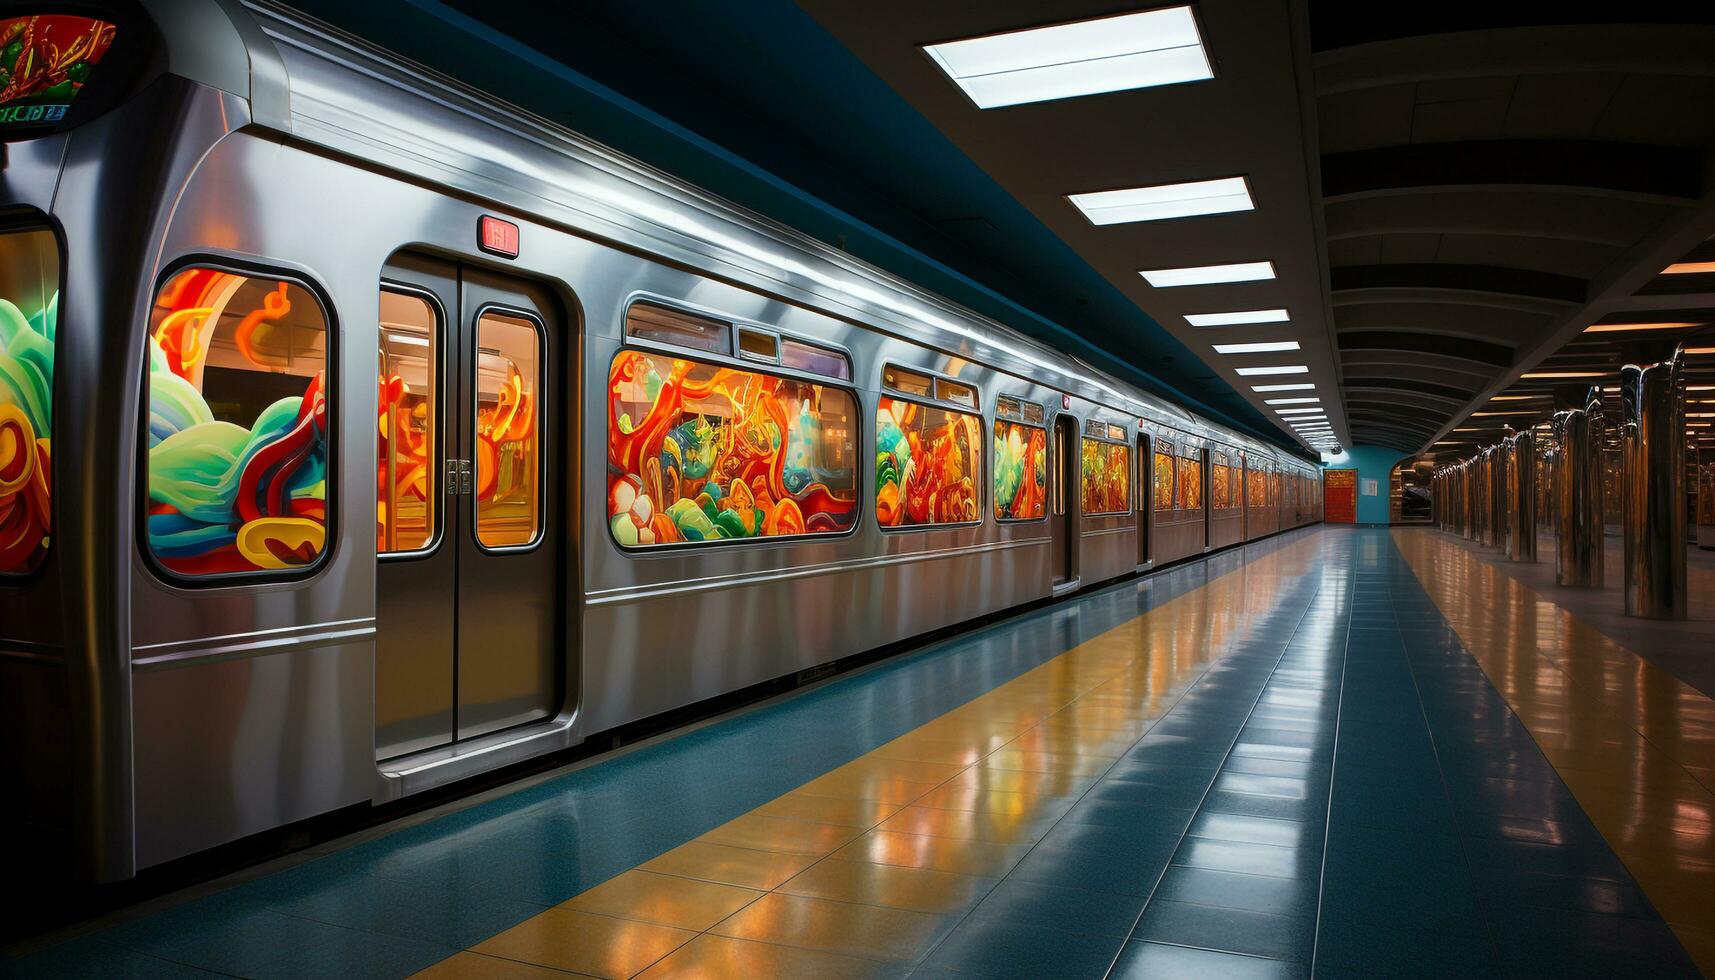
(1681, 647)
(1281, 762)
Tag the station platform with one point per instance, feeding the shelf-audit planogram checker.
(1339, 752)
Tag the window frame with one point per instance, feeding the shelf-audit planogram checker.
(440, 455)
(736, 363)
(982, 484)
(732, 357)
(36, 221)
(279, 271)
(544, 424)
(1105, 438)
(1156, 444)
(1000, 399)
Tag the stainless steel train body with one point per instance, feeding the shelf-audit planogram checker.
(150, 718)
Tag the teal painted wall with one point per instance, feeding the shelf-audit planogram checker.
(1372, 463)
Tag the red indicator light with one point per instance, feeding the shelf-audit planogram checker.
(497, 237)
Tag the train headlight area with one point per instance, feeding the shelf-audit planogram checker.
(476, 504)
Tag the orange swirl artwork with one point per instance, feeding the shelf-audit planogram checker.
(926, 465)
(703, 452)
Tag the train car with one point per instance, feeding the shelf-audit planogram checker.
(375, 435)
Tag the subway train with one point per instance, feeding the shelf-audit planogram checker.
(393, 435)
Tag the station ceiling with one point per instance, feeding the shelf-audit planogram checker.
(1448, 200)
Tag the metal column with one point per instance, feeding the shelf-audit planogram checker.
(1704, 458)
(1473, 499)
(1521, 484)
(1578, 494)
(1653, 512)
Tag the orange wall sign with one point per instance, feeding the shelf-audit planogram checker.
(1340, 496)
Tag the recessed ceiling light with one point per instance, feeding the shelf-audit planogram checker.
(1164, 201)
(1087, 57)
(1517, 398)
(1688, 268)
(1251, 372)
(1235, 319)
(1478, 415)
(1290, 401)
(1550, 375)
(1297, 386)
(1201, 275)
(1265, 347)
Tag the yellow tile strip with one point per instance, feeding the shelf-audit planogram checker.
(1635, 745)
(859, 872)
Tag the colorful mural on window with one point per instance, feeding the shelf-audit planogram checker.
(1190, 483)
(1256, 484)
(1106, 478)
(702, 452)
(29, 309)
(1020, 471)
(1163, 477)
(927, 465)
(45, 60)
(237, 452)
(408, 423)
(1221, 490)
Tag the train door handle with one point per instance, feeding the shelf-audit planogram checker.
(461, 478)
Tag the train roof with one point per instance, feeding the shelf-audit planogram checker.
(323, 87)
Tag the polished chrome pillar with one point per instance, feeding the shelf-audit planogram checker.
(1521, 480)
(1704, 459)
(1578, 494)
(1653, 515)
(1495, 479)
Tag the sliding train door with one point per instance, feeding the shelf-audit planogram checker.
(1145, 499)
(468, 590)
(1063, 479)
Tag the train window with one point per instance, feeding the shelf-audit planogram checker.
(1163, 476)
(928, 464)
(407, 481)
(665, 325)
(758, 345)
(1106, 478)
(908, 382)
(962, 395)
(704, 452)
(1221, 482)
(1020, 471)
(1191, 479)
(49, 59)
(29, 307)
(508, 451)
(798, 355)
(237, 459)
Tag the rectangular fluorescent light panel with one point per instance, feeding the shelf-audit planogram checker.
(1202, 275)
(1086, 57)
(1554, 375)
(1688, 268)
(1266, 347)
(1235, 319)
(1301, 386)
(1290, 401)
(1252, 372)
(1164, 201)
